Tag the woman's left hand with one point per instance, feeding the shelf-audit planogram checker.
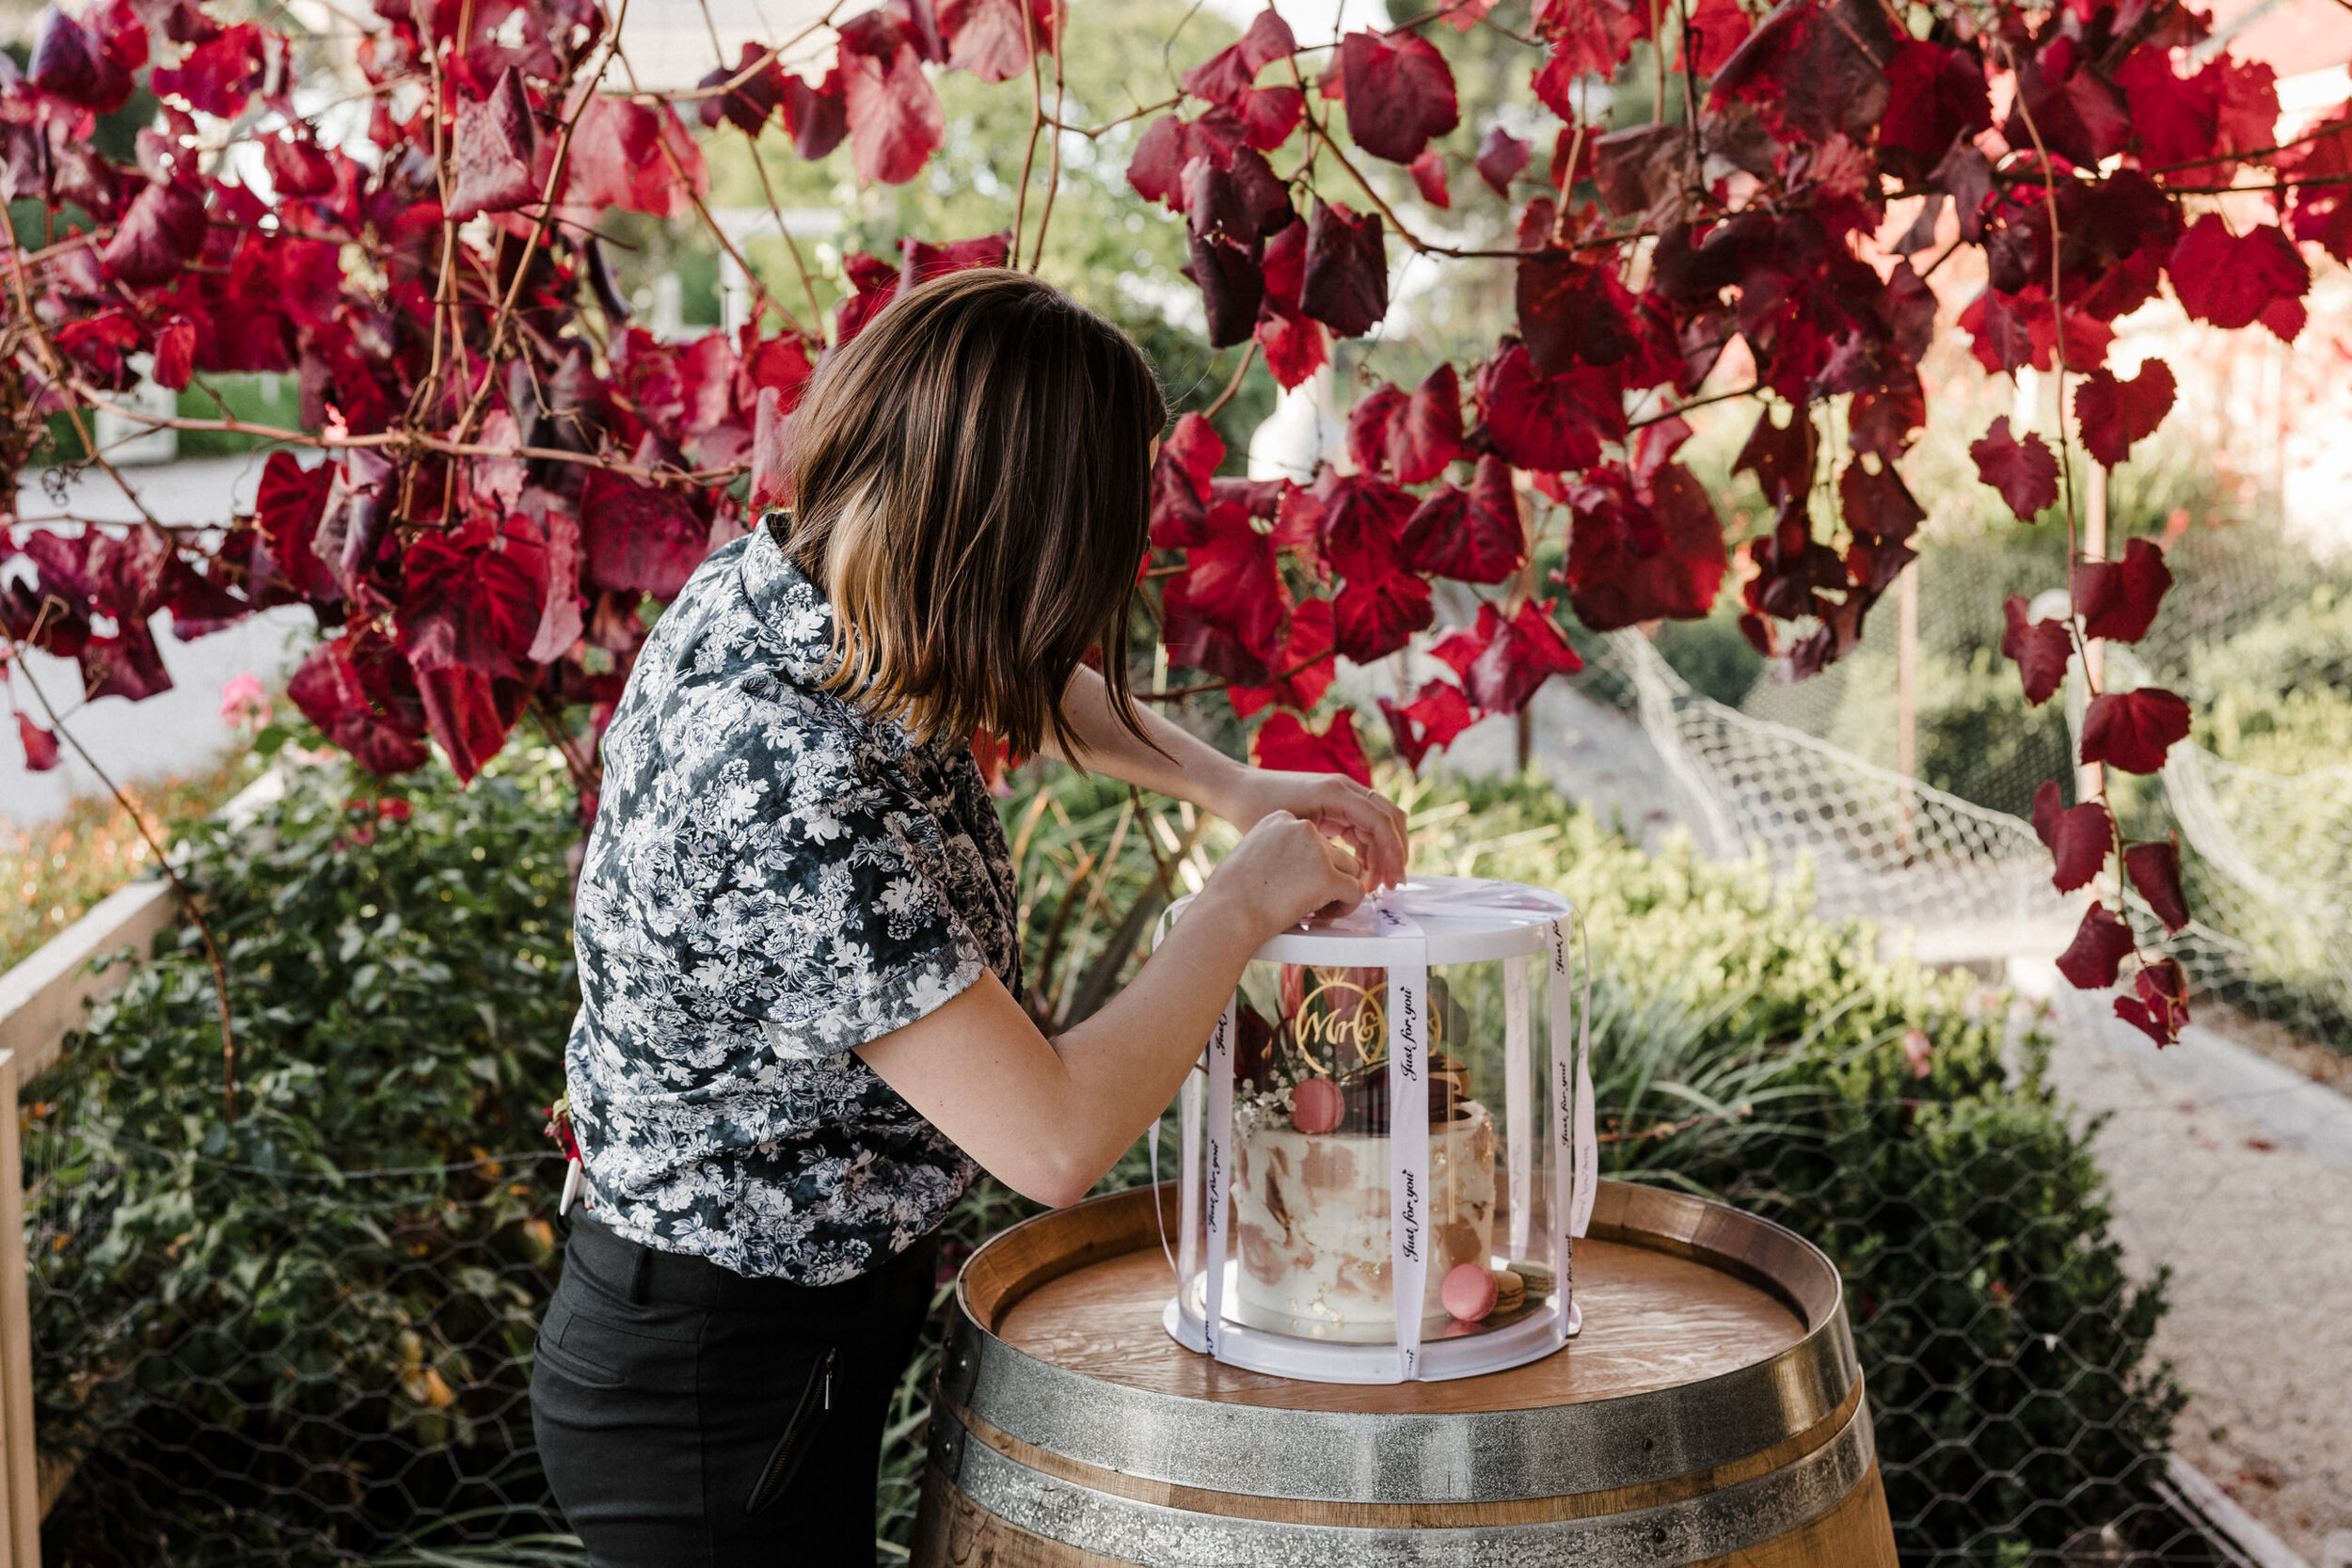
(1365, 820)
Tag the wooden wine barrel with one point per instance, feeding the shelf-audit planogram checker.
(1710, 1412)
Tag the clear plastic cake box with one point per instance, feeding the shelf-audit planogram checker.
(1317, 1230)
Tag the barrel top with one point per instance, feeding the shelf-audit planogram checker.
(1710, 1337)
(1652, 1321)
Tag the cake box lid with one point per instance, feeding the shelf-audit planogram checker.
(1462, 919)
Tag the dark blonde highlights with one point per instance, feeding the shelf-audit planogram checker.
(973, 493)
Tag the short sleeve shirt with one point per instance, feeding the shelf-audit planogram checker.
(773, 878)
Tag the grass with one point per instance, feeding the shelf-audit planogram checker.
(53, 872)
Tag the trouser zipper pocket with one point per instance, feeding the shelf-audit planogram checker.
(800, 1434)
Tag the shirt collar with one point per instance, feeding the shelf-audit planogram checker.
(794, 614)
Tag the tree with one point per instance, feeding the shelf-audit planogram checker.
(515, 475)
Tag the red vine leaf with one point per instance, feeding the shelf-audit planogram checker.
(68, 61)
(637, 537)
(991, 38)
(1549, 423)
(1571, 312)
(816, 117)
(1400, 93)
(2116, 600)
(1713, 32)
(2077, 838)
(363, 697)
(2231, 279)
(2114, 416)
(1935, 96)
(1180, 483)
(1588, 38)
(631, 156)
(2040, 649)
(1428, 172)
(218, 76)
(1225, 77)
(465, 712)
(1426, 434)
(1231, 582)
(498, 148)
(1780, 457)
(1376, 614)
(2133, 730)
(472, 598)
(1437, 715)
(1502, 158)
(1284, 742)
(2101, 943)
(1631, 560)
(1302, 668)
(2155, 868)
(895, 120)
(175, 353)
(2160, 1008)
(1232, 289)
(1878, 503)
(1344, 283)
(1472, 535)
(746, 106)
(2024, 472)
(160, 235)
(1295, 347)
(40, 745)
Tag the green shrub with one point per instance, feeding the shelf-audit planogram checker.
(296, 1333)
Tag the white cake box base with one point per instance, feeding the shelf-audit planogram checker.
(1530, 1337)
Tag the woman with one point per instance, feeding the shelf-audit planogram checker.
(800, 1035)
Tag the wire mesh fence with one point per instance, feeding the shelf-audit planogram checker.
(241, 1364)
(337, 1371)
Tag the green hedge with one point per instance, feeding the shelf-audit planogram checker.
(301, 1334)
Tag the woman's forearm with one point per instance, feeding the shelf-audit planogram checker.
(1184, 768)
(1048, 1118)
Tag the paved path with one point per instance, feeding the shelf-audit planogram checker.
(175, 730)
(2241, 1187)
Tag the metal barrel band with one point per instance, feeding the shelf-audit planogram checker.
(1484, 1456)
(1673, 1535)
(954, 1425)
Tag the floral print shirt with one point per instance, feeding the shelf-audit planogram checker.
(773, 878)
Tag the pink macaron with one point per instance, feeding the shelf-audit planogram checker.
(1469, 1293)
(1317, 1106)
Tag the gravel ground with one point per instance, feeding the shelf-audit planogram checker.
(2259, 1237)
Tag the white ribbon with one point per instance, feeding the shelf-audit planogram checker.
(1575, 1153)
(1188, 1182)
(1220, 1172)
(1408, 1131)
(1519, 1101)
(1587, 1135)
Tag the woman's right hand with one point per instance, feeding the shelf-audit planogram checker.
(1283, 870)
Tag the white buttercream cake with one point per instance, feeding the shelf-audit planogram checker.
(1311, 1222)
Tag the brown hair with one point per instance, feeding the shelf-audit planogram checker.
(973, 493)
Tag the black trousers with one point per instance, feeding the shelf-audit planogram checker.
(691, 1417)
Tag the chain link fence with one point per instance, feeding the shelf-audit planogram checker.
(235, 1364)
(340, 1372)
